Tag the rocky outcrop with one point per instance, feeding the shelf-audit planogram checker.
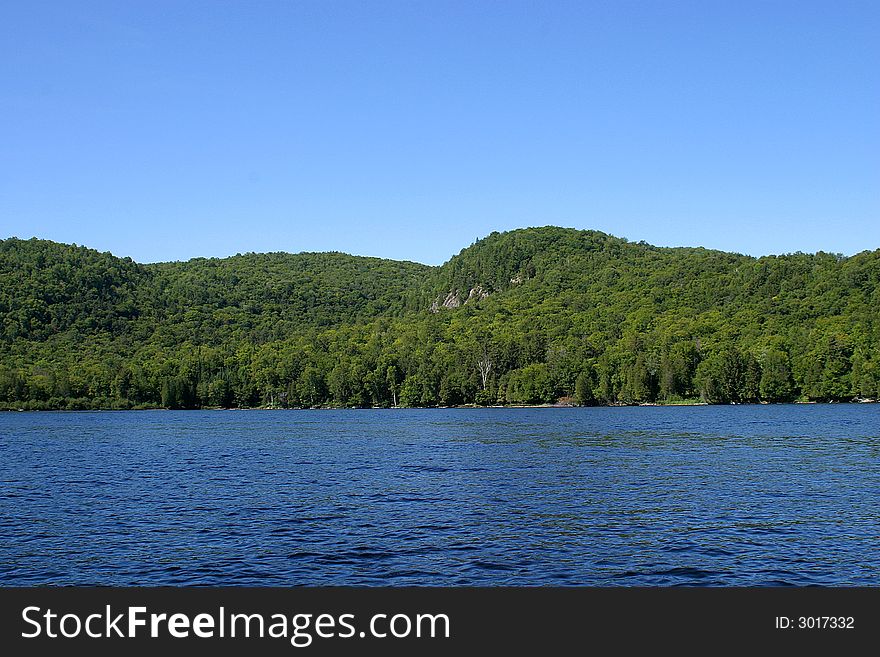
(454, 299)
(451, 301)
(476, 294)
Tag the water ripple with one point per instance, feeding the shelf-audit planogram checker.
(657, 496)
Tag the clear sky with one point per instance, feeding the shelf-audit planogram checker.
(165, 130)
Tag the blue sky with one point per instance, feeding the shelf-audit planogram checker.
(168, 130)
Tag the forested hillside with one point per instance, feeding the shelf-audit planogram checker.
(530, 316)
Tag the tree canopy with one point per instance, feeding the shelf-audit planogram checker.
(529, 316)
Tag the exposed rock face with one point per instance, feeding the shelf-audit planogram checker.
(453, 299)
(477, 293)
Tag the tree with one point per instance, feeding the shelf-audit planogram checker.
(311, 387)
(720, 378)
(391, 382)
(583, 390)
(484, 365)
(776, 383)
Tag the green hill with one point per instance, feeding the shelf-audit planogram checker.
(528, 316)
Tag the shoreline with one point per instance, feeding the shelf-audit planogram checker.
(854, 402)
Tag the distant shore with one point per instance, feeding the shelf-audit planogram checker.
(22, 409)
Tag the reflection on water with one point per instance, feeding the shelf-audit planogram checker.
(744, 495)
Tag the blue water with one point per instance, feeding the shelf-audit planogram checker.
(734, 495)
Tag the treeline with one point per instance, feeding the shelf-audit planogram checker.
(440, 361)
(529, 317)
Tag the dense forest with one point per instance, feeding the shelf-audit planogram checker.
(532, 316)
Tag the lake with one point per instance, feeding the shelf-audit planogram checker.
(700, 495)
